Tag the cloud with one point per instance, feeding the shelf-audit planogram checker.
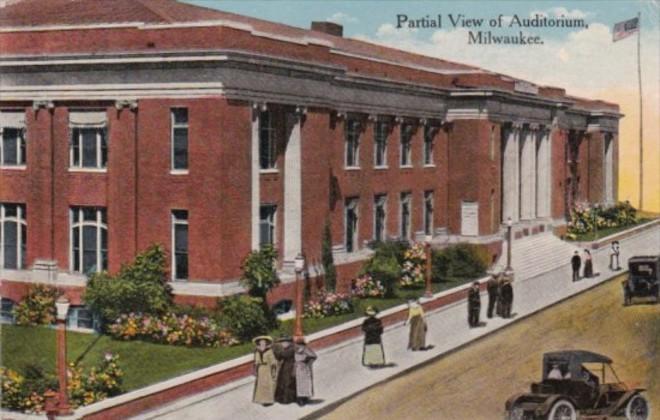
(560, 12)
(343, 18)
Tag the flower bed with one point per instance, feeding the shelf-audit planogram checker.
(172, 329)
(585, 219)
(328, 304)
(412, 273)
(366, 286)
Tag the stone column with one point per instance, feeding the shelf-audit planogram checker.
(608, 162)
(528, 175)
(510, 174)
(543, 174)
(255, 178)
(292, 189)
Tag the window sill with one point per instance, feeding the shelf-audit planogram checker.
(406, 166)
(269, 171)
(179, 280)
(89, 170)
(14, 167)
(352, 168)
(429, 165)
(179, 172)
(380, 168)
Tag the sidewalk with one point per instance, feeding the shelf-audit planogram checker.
(338, 373)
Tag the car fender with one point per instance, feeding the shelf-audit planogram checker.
(545, 407)
(513, 399)
(620, 405)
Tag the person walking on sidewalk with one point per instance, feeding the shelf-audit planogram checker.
(285, 390)
(507, 296)
(493, 286)
(265, 371)
(614, 256)
(576, 262)
(588, 265)
(417, 335)
(474, 305)
(304, 358)
(373, 354)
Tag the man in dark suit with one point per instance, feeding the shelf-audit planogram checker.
(506, 294)
(492, 286)
(576, 262)
(474, 305)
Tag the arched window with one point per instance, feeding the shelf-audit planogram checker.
(13, 233)
(89, 239)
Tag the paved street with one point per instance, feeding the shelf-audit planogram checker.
(339, 374)
(475, 382)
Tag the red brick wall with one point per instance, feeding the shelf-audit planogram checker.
(595, 175)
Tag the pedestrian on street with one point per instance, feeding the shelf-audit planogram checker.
(507, 296)
(474, 305)
(265, 371)
(614, 256)
(304, 358)
(373, 354)
(493, 286)
(285, 390)
(576, 262)
(588, 265)
(417, 335)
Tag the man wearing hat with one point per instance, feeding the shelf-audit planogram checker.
(265, 371)
(474, 305)
(507, 295)
(373, 354)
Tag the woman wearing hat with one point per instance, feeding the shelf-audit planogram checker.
(373, 354)
(417, 336)
(265, 371)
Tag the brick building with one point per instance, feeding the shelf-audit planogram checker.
(152, 121)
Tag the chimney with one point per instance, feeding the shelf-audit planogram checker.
(329, 28)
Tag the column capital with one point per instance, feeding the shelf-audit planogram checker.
(259, 106)
(43, 103)
(131, 104)
(517, 125)
(534, 126)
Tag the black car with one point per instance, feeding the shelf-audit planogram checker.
(570, 390)
(643, 278)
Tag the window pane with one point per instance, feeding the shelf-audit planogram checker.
(181, 238)
(6, 309)
(180, 148)
(9, 146)
(75, 137)
(181, 266)
(180, 115)
(10, 245)
(89, 249)
(76, 249)
(84, 318)
(89, 146)
(23, 154)
(10, 210)
(104, 249)
(23, 244)
(104, 148)
(89, 214)
(180, 214)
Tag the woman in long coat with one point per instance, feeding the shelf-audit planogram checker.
(588, 264)
(265, 371)
(417, 336)
(304, 357)
(285, 390)
(372, 353)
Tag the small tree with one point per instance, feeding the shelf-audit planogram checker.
(327, 259)
(260, 272)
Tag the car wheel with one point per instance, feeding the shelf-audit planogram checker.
(562, 410)
(516, 413)
(637, 408)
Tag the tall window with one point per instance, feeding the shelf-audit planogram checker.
(179, 135)
(12, 139)
(89, 239)
(352, 143)
(180, 244)
(89, 140)
(405, 205)
(428, 212)
(429, 134)
(380, 201)
(406, 144)
(13, 234)
(351, 223)
(267, 214)
(267, 141)
(380, 144)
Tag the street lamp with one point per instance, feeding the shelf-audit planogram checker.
(62, 306)
(299, 266)
(509, 224)
(427, 248)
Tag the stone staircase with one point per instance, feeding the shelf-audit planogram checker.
(536, 254)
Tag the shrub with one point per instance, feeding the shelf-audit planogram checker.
(327, 260)
(391, 249)
(462, 261)
(384, 269)
(328, 304)
(102, 381)
(244, 316)
(140, 287)
(413, 271)
(38, 307)
(172, 329)
(260, 272)
(584, 219)
(366, 286)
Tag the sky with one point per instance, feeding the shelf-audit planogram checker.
(582, 60)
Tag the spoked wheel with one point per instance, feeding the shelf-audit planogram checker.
(637, 408)
(562, 410)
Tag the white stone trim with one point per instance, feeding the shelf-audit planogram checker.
(255, 184)
(293, 189)
(12, 118)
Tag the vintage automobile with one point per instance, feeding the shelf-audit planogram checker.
(643, 278)
(570, 390)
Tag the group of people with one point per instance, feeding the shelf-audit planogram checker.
(500, 298)
(283, 371)
(576, 263)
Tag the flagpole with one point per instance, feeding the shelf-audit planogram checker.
(641, 113)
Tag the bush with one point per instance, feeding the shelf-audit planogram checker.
(103, 380)
(585, 219)
(366, 286)
(244, 316)
(328, 304)
(327, 260)
(384, 269)
(38, 307)
(413, 271)
(391, 249)
(463, 261)
(140, 287)
(260, 272)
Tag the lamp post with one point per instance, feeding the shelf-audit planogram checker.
(299, 265)
(427, 249)
(509, 224)
(62, 306)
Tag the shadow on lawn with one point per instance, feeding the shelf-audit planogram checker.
(87, 350)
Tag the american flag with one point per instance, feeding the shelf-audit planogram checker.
(625, 29)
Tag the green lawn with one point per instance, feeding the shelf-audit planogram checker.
(146, 363)
(601, 233)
